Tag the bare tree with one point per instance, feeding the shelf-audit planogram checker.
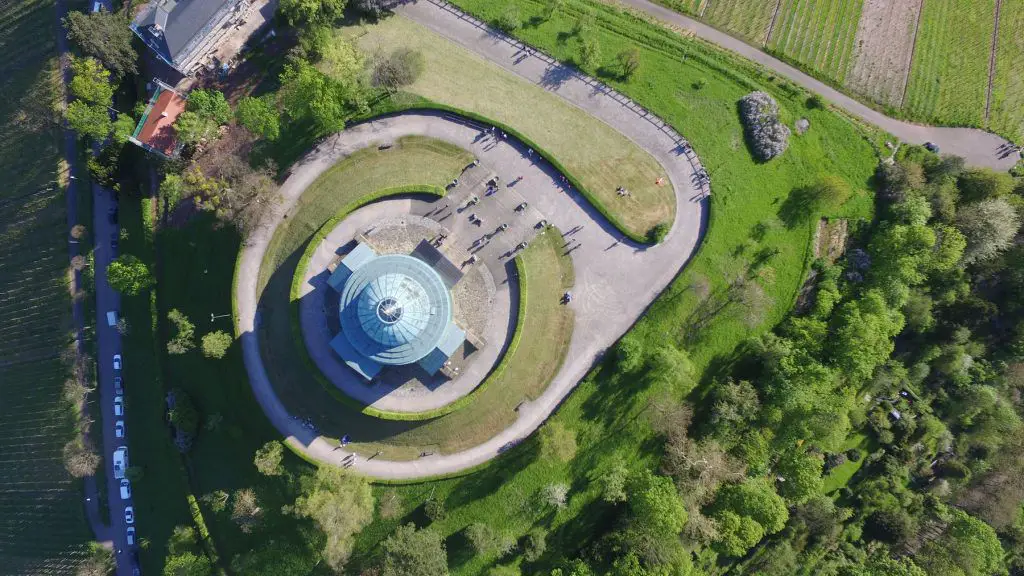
(80, 459)
(245, 509)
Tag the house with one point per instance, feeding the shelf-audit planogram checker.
(155, 131)
(187, 34)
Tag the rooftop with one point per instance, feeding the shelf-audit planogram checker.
(173, 28)
(155, 131)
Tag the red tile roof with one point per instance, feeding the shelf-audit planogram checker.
(157, 131)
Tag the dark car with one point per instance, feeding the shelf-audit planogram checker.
(931, 147)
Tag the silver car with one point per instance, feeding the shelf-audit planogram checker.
(126, 489)
(129, 535)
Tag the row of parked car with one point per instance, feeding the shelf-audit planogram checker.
(120, 457)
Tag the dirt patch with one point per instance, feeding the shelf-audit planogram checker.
(883, 49)
(830, 239)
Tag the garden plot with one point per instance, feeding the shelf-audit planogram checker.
(1006, 115)
(883, 49)
(819, 34)
(748, 19)
(949, 74)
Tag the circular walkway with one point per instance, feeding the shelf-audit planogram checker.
(621, 278)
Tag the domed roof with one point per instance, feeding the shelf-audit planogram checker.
(394, 309)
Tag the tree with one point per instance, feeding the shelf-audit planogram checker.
(557, 442)
(883, 565)
(342, 61)
(551, 7)
(100, 562)
(183, 539)
(129, 275)
(629, 353)
(341, 505)
(656, 505)
(535, 544)
(90, 81)
(434, 509)
(396, 70)
(629, 62)
(312, 11)
(806, 202)
(216, 344)
(862, 333)
(80, 460)
(555, 494)
(216, 500)
(184, 338)
(245, 509)
(801, 476)
(969, 547)
(983, 183)
(613, 483)
(122, 128)
(509, 20)
(412, 552)
(259, 116)
(989, 227)
(188, 564)
(374, 8)
(194, 128)
(890, 525)
(307, 94)
(590, 51)
(184, 416)
(90, 121)
(268, 458)
(106, 36)
(747, 512)
(485, 540)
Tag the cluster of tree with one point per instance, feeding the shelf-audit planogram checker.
(185, 556)
(912, 339)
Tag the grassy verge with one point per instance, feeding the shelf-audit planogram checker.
(600, 158)
(1007, 115)
(840, 475)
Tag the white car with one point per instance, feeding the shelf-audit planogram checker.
(117, 361)
(120, 462)
(119, 429)
(118, 406)
(129, 535)
(129, 515)
(118, 385)
(126, 489)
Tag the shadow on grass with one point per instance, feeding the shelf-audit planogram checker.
(799, 206)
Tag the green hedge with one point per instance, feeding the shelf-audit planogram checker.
(204, 533)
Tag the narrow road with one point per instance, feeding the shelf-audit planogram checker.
(615, 280)
(978, 147)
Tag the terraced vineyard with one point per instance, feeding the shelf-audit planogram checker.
(1007, 107)
(949, 73)
(42, 526)
(748, 19)
(818, 34)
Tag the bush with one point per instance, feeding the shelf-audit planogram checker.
(397, 69)
(216, 344)
(509, 21)
(769, 137)
(535, 544)
(657, 233)
(268, 458)
(629, 353)
(629, 62)
(129, 275)
(815, 102)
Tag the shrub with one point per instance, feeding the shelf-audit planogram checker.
(216, 344)
(629, 62)
(657, 233)
(629, 353)
(815, 102)
(768, 136)
(268, 458)
(397, 69)
(535, 544)
(509, 21)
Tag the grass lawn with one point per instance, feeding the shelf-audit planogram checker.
(159, 497)
(949, 74)
(840, 475)
(494, 407)
(1007, 114)
(42, 516)
(600, 157)
(817, 34)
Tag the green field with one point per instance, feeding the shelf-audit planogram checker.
(1007, 106)
(748, 19)
(42, 521)
(949, 73)
(601, 158)
(817, 34)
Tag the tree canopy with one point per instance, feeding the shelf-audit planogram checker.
(259, 116)
(412, 552)
(106, 36)
(129, 275)
(341, 505)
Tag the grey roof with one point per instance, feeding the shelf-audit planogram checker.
(173, 28)
(359, 255)
(448, 345)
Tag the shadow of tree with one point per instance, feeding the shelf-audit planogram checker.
(799, 206)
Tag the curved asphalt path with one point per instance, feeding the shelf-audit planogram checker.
(978, 147)
(615, 280)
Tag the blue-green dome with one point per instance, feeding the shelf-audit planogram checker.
(394, 309)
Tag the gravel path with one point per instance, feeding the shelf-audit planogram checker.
(978, 147)
(615, 279)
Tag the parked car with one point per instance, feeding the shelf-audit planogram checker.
(112, 318)
(118, 406)
(117, 361)
(120, 462)
(126, 489)
(129, 535)
(118, 386)
(129, 515)
(119, 429)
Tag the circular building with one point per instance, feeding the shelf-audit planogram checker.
(394, 310)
